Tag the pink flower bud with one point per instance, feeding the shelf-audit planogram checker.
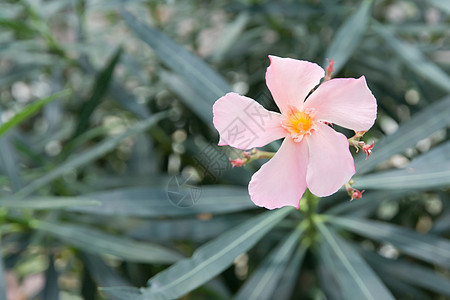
(368, 149)
(330, 69)
(237, 162)
(357, 194)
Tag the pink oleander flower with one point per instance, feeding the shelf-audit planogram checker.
(312, 155)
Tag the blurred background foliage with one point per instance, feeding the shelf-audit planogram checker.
(106, 107)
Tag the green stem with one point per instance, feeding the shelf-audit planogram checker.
(258, 154)
(308, 207)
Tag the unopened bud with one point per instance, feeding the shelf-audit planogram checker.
(356, 194)
(330, 69)
(368, 149)
(237, 162)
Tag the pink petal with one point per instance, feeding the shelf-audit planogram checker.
(290, 80)
(347, 102)
(244, 124)
(330, 161)
(282, 180)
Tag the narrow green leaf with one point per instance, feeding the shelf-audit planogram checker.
(328, 283)
(348, 36)
(262, 283)
(188, 95)
(365, 206)
(441, 224)
(187, 229)
(400, 288)
(289, 279)
(123, 293)
(427, 247)
(46, 203)
(409, 178)
(430, 170)
(420, 126)
(231, 33)
(435, 156)
(202, 78)
(2, 272)
(411, 273)
(98, 242)
(444, 5)
(9, 162)
(414, 59)
(119, 92)
(29, 110)
(212, 258)
(18, 72)
(100, 87)
(51, 288)
(88, 285)
(88, 156)
(103, 274)
(155, 201)
(19, 27)
(356, 279)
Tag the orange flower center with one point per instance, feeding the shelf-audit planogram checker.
(298, 123)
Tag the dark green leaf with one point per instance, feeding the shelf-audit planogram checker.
(444, 5)
(155, 201)
(203, 80)
(103, 274)
(348, 36)
(191, 229)
(442, 224)
(411, 273)
(437, 155)
(355, 278)
(29, 111)
(263, 282)
(365, 206)
(2, 273)
(428, 247)
(430, 176)
(123, 293)
(9, 162)
(212, 258)
(401, 288)
(47, 203)
(414, 59)
(430, 170)
(88, 156)
(95, 241)
(420, 126)
(51, 288)
(100, 87)
(188, 95)
(118, 92)
(232, 33)
(289, 279)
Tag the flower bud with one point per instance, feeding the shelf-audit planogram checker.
(237, 162)
(368, 149)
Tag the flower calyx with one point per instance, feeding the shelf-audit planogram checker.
(352, 192)
(355, 142)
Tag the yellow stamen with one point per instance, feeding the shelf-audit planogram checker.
(297, 123)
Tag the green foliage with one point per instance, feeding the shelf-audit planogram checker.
(94, 185)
